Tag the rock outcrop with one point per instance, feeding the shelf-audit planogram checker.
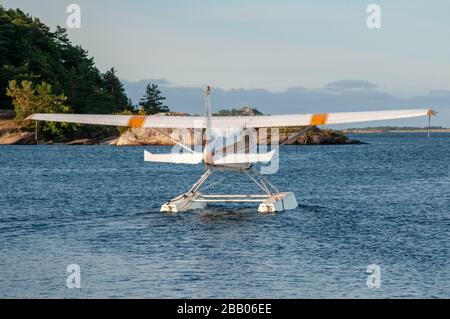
(318, 136)
(142, 136)
(83, 141)
(19, 138)
(11, 134)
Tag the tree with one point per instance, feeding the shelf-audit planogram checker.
(28, 99)
(152, 101)
(84, 88)
(29, 50)
(116, 90)
(130, 106)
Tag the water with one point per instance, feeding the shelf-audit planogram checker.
(385, 203)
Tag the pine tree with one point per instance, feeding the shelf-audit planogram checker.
(152, 101)
(130, 106)
(116, 90)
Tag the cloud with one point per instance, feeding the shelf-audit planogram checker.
(350, 85)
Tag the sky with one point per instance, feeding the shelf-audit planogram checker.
(271, 47)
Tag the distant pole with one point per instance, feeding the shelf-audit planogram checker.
(36, 133)
(429, 125)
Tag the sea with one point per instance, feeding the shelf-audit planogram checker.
(83, 222)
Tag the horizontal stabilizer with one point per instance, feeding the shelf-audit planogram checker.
(177, 158)
(245, 158)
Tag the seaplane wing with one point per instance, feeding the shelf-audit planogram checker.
(319, 119)
(222, 122)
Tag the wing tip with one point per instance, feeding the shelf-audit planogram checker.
(30, 117)
(431, 112)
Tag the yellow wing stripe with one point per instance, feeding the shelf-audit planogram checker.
(136, 121)
(319, 119)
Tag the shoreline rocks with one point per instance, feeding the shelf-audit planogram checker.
(11, 134)
(82, 141)
(19, 138)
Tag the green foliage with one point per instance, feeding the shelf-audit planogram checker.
(28, 99)
(152, 101)
(130, 106)
(115, 89)
(27, 52)
(30, 51)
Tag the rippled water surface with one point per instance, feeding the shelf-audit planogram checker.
(384, 203)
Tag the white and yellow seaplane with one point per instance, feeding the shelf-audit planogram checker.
(226, 146)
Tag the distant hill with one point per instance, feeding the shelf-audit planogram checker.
(244, 111)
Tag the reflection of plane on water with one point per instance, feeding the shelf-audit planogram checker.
(231, 155)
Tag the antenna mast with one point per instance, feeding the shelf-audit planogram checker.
(208, 116)
(208, 107)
